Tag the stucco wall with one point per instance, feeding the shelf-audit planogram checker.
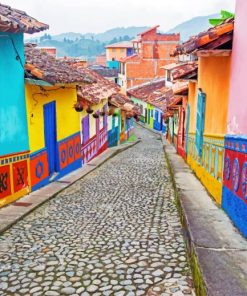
(237, 102)
(13, 124)
(67, 117)
(214, 79)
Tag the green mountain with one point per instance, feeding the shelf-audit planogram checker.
(193, 26)
(86, 45)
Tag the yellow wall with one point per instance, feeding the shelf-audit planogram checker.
(192, 100)
(116, 53)
(213, 79)
(67, 117)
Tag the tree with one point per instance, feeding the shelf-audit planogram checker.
(224, 15)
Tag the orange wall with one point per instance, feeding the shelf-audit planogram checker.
(192, 100)
(116, 53)
(213, 79)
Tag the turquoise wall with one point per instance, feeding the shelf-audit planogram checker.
(113, 64)
(13, 120)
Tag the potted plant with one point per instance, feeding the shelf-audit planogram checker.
(78, 107)
(102, 113)
(95, 115)
(89, 110)
(115, 114)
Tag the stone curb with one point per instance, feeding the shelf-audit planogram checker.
(11, 214)
(217, 251)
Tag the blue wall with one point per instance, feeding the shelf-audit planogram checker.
(130, 51)
(13, 120)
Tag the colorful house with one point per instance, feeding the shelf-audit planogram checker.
(152, 51)
(177, 75)
(206, 117)
(53, 124)
(14, 146)
(117, 51)
(93, 118)
(151, 97)
(127, 112)
(234, 196)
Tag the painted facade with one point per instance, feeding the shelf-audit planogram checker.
(208, 164)
(234, 197)
(94, 132)
(14, 146)
(54, 145)
(117, 51)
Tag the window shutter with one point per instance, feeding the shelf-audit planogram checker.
(187, 127)
(200, 121)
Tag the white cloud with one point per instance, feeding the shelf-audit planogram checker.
(98, 15)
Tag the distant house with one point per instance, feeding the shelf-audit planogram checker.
(152, 50)
(152, 98)
(117, 51)
(14, 143)
(50, 50)
(101, 60)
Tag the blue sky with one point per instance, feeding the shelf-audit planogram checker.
(99, 15)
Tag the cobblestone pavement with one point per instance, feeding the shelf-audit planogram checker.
(115, 232)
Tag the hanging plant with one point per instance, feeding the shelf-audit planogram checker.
(95, 115)
(89, 110)
(78, 107)
(102, 113)
(115, 114)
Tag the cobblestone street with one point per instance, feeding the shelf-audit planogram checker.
(115, 232)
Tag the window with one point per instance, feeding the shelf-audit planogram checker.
(200, 121)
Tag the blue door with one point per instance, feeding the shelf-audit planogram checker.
(50, 135)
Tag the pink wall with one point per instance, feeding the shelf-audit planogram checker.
(237, 112)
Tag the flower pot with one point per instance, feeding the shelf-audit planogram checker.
(95, 115)
(89, 110)
(78, 107)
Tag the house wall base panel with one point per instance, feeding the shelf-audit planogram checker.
(14, 177)
(213, 186)
(236, 209)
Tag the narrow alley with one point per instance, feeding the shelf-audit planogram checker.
(115, 232)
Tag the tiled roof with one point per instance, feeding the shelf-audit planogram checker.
(41, 65)
(154, 93)
(105, 72)
(123, 44)
(132, 58)
(15, 21)
(124, 103)
(143, 91)
(98, 91)
(185, 71)
(213, 38)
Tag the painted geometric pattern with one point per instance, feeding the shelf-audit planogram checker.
(89, 150)
(38, 167)
(235, 166)
(69, 150)
(212, 154)
(234, 197)
(14, 174)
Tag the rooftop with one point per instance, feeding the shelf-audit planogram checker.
(123, 44)
(17, 21)
(218, 37)
(40, 65)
